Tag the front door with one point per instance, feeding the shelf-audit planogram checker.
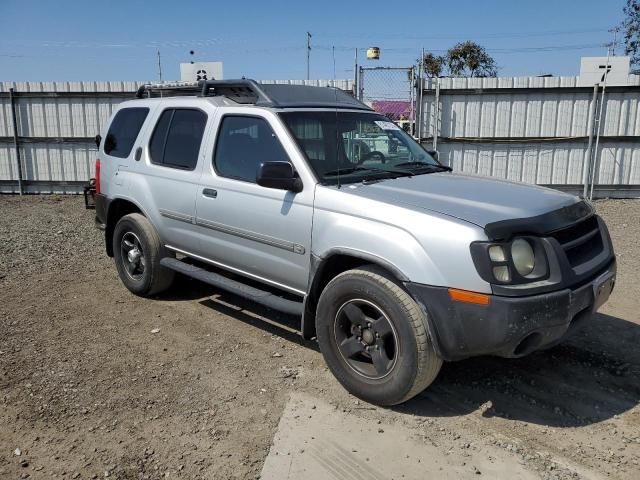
(261, 232)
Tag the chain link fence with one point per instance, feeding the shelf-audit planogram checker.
(389, 90)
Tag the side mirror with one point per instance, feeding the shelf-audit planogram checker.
(278, 175)
(98, 140)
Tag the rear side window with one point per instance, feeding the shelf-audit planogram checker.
(243, 144)
(177, 137)
(123, 131)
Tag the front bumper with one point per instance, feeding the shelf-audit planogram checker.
(509, 326)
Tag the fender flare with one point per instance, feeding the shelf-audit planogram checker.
(307, 324)
(110, 226)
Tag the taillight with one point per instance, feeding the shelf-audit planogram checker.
(97, 175)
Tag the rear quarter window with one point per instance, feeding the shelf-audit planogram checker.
(177, 137)
(123, 131)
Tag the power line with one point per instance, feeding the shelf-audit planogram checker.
(467, 34)
(545, 48)
(220, 42)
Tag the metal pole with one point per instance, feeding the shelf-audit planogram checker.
(586, 168)
(361, 80)
(16, 143)
(595, 150)
(412, 103)
(308, 52)
(159, 67)
(436, 115)
(420, 95)
(355, 75)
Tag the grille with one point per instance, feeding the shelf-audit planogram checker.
(581, 242)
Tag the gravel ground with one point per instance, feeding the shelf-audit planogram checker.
(87, 390)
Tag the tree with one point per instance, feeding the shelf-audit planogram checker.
(468, 59)
(433, 64)
(465, 59)
(631, 26)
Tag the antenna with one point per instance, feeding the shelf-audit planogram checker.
(615, 31)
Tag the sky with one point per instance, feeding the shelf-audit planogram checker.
(72, 40)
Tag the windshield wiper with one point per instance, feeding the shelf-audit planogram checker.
(348, 170)
(422, 165)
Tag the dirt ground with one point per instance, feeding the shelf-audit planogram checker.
(87, 390)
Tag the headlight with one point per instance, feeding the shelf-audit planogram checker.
(519, 261)
(522, 256)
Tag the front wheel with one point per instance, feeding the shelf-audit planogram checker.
(374, 337)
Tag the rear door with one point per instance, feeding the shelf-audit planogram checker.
(171, 170)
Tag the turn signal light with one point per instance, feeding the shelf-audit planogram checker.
(468, 297)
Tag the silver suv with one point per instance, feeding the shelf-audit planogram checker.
(305, 200)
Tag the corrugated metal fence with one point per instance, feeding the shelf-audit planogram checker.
(56, 125)
(533, 129)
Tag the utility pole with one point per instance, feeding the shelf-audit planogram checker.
(355, 75)
(159, 67)
(308, 52)
(615, 31)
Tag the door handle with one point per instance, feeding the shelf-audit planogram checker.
(138, 154)
(210, 192)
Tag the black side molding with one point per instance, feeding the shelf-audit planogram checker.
(545, 223)
(262, 297)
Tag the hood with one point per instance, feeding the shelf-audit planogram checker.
(475, 199)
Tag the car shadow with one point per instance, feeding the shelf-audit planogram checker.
(591, 377)
(271, 321)
(268, 320)
(187, 288)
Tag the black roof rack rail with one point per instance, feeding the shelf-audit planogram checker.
(243, 90)
(168, 89)
(247, 91)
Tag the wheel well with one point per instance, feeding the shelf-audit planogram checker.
(117, 209)
(327, 269)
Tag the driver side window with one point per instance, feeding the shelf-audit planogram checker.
(243, 143)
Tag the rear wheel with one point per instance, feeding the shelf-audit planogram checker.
(137, 252)
(374, 337)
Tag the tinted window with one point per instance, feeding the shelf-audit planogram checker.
(156, 146)
(123, 131)
(243, 144)
(177, 137)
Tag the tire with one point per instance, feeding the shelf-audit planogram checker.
(406, 362)
(147, 277)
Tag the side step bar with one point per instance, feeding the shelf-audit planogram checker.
(262, 297)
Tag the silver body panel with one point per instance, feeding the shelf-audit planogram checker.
(262, 231)
(476, 199)
(421, 225)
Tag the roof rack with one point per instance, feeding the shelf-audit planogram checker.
(247, 91)
(167, 89)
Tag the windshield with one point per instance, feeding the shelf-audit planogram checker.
(349, 147)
